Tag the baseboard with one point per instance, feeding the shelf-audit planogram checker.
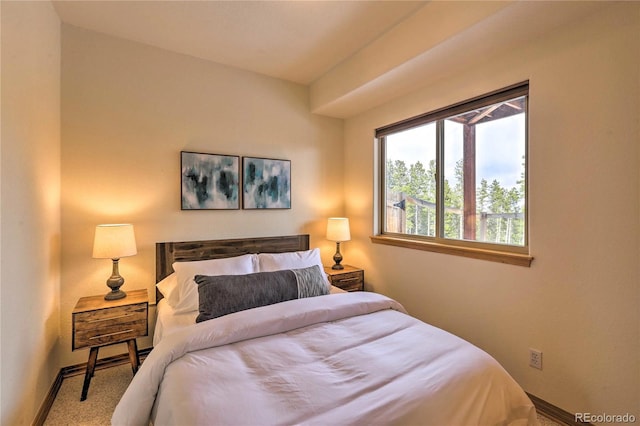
(555, 413)
(75, 370)
(112, 361)
(41, 416)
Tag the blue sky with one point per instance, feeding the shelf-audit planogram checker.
(500, 147)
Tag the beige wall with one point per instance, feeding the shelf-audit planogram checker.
(30, 210)
(578, 302)
(127, 112)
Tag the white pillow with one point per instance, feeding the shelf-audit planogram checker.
(168, 287)
(187, 287)
(269, 262)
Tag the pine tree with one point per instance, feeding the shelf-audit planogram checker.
(397, 176)
(418, 187)
(420, 183)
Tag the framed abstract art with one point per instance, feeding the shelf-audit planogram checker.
(209, 181)
(266, 183)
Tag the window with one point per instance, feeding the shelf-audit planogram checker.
(455, 180)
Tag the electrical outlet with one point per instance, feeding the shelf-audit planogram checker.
(535, 358)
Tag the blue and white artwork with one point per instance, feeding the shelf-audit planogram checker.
(266, 183)
(210, 181)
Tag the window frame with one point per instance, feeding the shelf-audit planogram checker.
(511, 254)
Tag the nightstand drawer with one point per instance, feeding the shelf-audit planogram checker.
(348, 279)
(348, 282)
(106, 326)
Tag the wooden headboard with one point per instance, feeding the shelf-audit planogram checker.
(169, 252)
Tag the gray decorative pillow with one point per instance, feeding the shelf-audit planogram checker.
(225, 294)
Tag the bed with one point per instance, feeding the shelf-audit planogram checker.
(301, 352)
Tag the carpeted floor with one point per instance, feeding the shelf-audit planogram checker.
(106, 388)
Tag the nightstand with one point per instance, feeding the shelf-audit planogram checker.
(98, 322)
(350, 278)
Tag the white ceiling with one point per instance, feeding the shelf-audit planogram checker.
(353, 55)
(293, 40)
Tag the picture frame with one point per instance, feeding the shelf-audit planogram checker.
(209, 181)
(266, 183)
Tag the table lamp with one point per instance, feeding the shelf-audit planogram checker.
(338, 231)
(113, 242)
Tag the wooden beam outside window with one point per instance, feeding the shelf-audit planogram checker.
(469, 181)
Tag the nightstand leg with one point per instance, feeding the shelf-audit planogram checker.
(133, 355)
(91, 366)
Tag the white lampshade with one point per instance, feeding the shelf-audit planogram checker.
(114, 241)
(338, 229)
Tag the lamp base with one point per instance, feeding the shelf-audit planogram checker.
(337, 258)
(115, 295)
(114, 282)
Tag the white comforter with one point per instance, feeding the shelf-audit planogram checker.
(353, 358)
